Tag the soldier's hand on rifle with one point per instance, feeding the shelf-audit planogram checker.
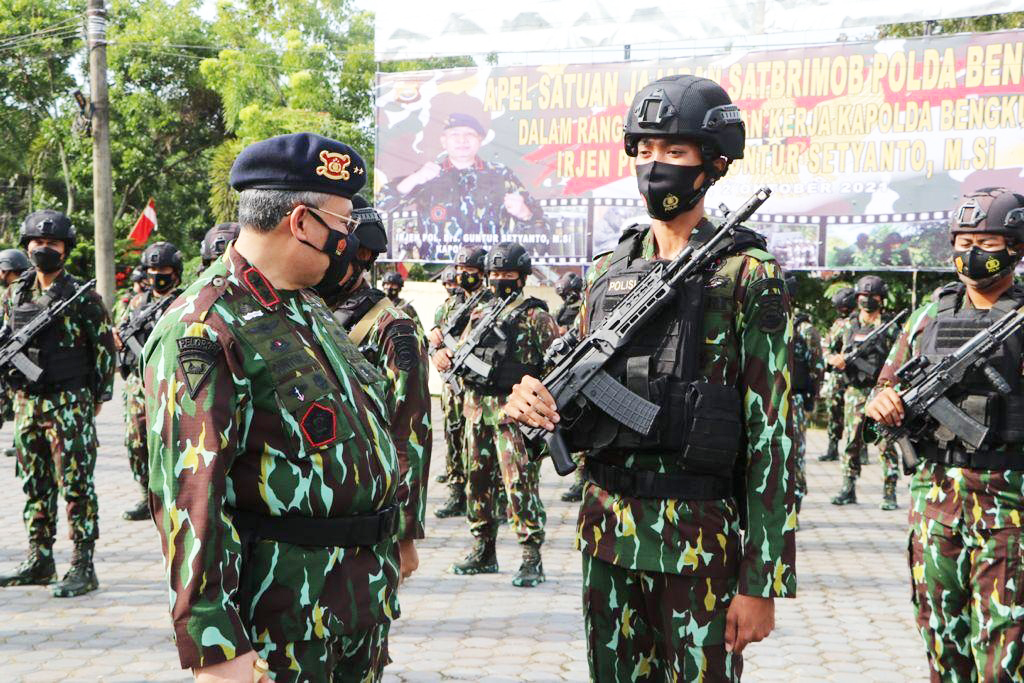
(837, 361)
(434, 337)
(530, 403)
(886, 408)
(117, 340)
(442, 359)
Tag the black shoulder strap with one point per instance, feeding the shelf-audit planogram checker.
(629, 246)
(949, 298)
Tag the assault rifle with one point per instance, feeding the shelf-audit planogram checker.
(457, 321)
(13, 344)
(924, 399)
(129, 331)
(463, 359)
(853, 356)
(579, 376)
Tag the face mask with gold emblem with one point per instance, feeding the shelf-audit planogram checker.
(668, 189)
(984, 268)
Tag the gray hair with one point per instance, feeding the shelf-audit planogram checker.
(262, 210)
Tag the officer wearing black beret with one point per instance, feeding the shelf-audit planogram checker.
(275, 483)
(460, 195)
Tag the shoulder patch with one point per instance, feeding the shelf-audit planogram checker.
(196, 358)
(404, 345)
(771, 309)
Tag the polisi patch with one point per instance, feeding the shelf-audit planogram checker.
(319, 425)
(196, 358)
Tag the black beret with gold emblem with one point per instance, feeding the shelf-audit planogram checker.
(302, 162)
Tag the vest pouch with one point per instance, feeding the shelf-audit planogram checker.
(1012, 419)
(715, 429)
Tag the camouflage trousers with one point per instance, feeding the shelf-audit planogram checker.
(135, 430)
(855, 401)
(649, 626)
(356, 658)
(454, 428)
(498, 458)
(835, 390)
(968, 591)
(800, 446)
(57, 455)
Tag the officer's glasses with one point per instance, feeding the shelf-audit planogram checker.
(347, 221)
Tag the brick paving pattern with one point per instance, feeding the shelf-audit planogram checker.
(852, 621)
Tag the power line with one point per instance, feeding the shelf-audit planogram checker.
(55, 28)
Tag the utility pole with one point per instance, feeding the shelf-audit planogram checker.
(102, 180)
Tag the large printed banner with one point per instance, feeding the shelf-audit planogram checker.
(866, 147)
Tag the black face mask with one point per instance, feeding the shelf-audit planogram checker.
(868, 303)
(341, 250)
(505, 288)
(163, 282)
(984, 268)
(392, 293)
(452, 291)
(668, 189)
(469, 281)
(47, 260)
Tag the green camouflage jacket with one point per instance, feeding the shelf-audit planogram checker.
(814, 356)
(257, 400)
(442, 312)
(534, 332)
(981, 499)
(395, 346)
(747, 346)
(84, 324)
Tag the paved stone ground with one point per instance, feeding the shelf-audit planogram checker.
(852, 621)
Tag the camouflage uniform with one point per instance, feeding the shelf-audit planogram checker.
(394, 345)
(451, 403)
(810, 353)
(497, 457)
(459, 207)
(260, 406)
(55, 432)
(659, 574)
(835, 385)
(407, 309)
(855, 399)
(966, 554)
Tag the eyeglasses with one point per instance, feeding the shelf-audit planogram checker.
(349, 223)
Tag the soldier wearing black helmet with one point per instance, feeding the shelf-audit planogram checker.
(13, 263)
(392, 284)
(216, 241)
(392, 341)
(967, 503)
(162, 266)
(449, 280)
(495, 451)
(871, 293)
(55, 422)
(808, 373)
(844, 300)
(657, 597)
(569, 288)
(469, 277)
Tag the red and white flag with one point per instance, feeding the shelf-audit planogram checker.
(145, 225)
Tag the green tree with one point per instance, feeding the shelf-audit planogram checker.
(987, 22)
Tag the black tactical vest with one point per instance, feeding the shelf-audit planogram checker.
(567, 313)
(801, 353)
(953, 326)
(662, 365)
(864, 372)
(354, 307)
(498, 349)
(65, 367)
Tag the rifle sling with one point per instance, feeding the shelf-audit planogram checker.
(362, 329)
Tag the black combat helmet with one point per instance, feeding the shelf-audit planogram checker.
(691, 107)
(138, 274)
(509, 256)
(472, 257)
(990, 210)
(871, 285)
(370, 227)
(393, 278)
(216, 241)
(569, 284)
(845, 300)
(14, 260)
(162, 254)
(449, 278)
(48, 224)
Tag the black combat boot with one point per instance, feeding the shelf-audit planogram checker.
(37, 569)
(442, 478)
(889, 494)
(81, 578)
(455, 506)
(865, 459)
(847, 494)
(10, 452)
(137, 512)
(833, 453)
(575, 492)
(482, 559)
(531, 571)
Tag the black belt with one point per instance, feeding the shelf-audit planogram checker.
(323, 532)
(979, 460)
(648, 484)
